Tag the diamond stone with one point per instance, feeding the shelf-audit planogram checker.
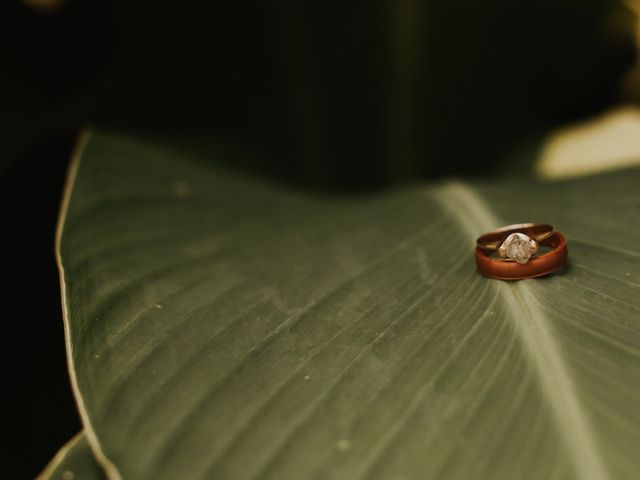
(518, 247)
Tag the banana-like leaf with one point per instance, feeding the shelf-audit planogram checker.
(221, 326)
(74, 461)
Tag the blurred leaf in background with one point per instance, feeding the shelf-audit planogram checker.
(337, 93)
(74, 461)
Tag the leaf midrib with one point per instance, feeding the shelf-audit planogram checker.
(536, 333)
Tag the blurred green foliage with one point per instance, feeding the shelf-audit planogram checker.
(359, 92)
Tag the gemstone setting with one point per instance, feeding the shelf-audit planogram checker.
(518, 247)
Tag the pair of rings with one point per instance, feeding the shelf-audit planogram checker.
(517, 247)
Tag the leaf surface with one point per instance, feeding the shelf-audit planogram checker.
(74, 461)
(221, 326)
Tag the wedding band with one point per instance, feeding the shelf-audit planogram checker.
(537, 266)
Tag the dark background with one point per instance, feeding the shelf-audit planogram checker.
(346, 94)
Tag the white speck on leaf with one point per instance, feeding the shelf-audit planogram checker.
(343, 444)
(426, 274)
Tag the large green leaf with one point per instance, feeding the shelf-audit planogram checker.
(222, 326)
(74, 461)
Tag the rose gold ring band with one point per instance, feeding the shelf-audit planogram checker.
(537, 266)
